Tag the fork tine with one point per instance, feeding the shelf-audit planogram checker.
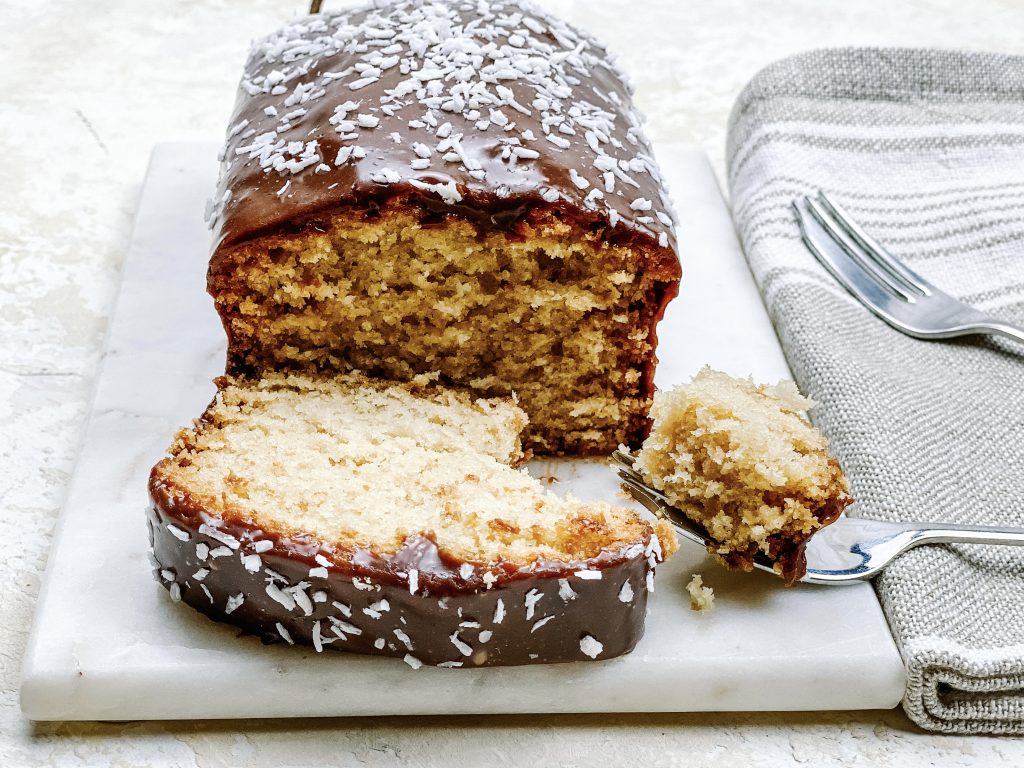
(838, 263)
(641, 493)
(625, 465)
(874, 249)
(853, 251)
(629, 475)
(623, 459)
(661, 508)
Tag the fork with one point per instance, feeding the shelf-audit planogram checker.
(883, 283)
(850, 550)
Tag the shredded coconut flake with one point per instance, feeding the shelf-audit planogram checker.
(463, 648)
(341, 628)
(626, 593)
(412, 661)
(224, 538)
(403, 637)
(278, 595)
(654, 547)
(284, 633)
(537, 625)
(298, 592)
(591, 646)
(233, 603)
(578, 180)
(447, 191)
(178, 533)
(386, 176)
(531, 600)
(565, 591)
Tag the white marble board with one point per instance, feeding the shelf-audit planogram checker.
(108, 644)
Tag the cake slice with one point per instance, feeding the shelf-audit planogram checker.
(390, 519)
(743, 462)
(459, 188)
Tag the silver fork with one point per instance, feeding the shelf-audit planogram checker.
(882, 283)
(852, 549)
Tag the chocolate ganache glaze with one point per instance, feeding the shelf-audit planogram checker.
(414, 603)
(485, 110)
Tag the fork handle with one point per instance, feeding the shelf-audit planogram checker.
(948, 533)
(1006, 330)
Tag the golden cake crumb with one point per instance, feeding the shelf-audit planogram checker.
(702, 599)
(744, 462)
(401, 299)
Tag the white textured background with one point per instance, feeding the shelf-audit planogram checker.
(88, 87)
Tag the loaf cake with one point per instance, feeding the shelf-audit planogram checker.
(450, 188)
(390, 519)
(743, 462)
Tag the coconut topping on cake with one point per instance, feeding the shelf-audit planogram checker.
(468, 99)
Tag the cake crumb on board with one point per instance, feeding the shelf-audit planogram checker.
(702, 599)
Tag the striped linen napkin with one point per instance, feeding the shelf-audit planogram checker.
(925, 149)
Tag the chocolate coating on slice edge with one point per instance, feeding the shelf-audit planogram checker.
(366, 604)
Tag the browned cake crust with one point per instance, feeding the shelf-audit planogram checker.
(492, 153)
(413, 604)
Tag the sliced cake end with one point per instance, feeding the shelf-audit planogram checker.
(391, 519)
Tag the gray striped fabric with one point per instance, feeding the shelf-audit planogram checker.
(926, 150)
